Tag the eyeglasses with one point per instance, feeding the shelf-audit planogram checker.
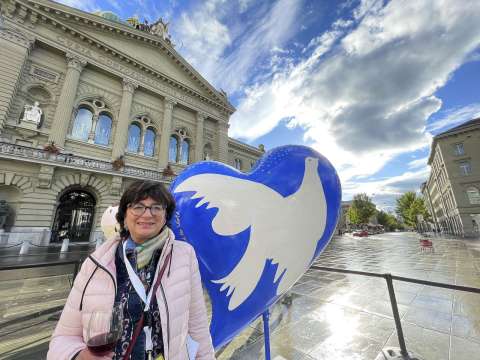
(139, 209)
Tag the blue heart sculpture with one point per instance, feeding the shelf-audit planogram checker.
(255, 234)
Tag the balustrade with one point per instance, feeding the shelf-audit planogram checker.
(25, 153)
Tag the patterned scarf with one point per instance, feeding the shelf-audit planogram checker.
(145, 251)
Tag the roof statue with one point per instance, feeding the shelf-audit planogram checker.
(159, 27)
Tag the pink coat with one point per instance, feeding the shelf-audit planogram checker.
(182, 313)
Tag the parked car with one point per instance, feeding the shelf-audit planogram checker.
(361, 233)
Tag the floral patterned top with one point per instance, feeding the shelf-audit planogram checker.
(133, 306)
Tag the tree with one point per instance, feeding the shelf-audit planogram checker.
(409, 206)
(361, 210)
(353, 215)
(388, 221)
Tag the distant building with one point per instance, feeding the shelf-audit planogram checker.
(343, 223)
(452, 191)
(88, 104)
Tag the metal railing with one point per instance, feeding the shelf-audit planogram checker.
(388, 278)
(391, 292)
(30, 154)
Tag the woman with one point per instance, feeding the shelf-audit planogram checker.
(174, 323)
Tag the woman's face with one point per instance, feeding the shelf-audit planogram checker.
(144, 226)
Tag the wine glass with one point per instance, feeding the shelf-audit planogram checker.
(104, 330)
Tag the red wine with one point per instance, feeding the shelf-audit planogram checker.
(101, 344)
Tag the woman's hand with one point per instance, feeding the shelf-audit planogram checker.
(86, 354)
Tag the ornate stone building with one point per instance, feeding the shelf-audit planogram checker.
(87, 105)
(452, 191)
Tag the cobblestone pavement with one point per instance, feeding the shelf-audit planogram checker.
(325, 315)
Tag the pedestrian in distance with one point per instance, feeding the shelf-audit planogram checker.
(139, 295)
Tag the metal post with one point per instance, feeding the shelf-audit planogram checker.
(396, 316)
(266, 333)
(64, 247)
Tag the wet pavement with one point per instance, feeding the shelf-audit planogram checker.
(336, 316)
(326, 315)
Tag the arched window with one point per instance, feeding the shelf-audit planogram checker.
(134, 132)
(82, 124)
(185, 152)
(149, 142)
(473, 196)
(172, 150)
(104, 127)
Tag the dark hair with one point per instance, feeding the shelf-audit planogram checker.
(140, 190)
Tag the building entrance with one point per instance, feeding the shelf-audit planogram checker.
(74, 217)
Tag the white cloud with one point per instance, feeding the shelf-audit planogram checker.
(418, 163)
(205, 38)
(364, 97)
(455, 117)
(385, 192)
(244, 4)
(202, 37)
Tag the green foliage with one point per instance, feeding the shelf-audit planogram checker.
(409, 206)
(353, 215)
(361, 210)
(388, 221)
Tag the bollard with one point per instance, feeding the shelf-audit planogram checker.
(24, 248)
(64, 245)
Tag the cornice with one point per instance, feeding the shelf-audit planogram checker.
(449, 133)
(44, 10)
(245, 147)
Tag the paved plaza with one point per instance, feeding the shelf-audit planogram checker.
(326, 315)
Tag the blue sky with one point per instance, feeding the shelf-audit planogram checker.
(365, 82)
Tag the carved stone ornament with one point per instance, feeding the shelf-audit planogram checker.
(15, 36)
(169, 103)
(129, 85)
(32, 113)
(201, 115)
(45, 176)
(76, 62)
(182, 133)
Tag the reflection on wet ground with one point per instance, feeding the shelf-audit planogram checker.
(335, 316)
(325, 315)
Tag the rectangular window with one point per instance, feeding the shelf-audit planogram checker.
(458, 149)
(465, 168)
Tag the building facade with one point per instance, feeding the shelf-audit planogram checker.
(88, 104)
(452, 191)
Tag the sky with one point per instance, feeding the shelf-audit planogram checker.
(367, 83)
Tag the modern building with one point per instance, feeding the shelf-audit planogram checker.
(88, 104)
(452, 191)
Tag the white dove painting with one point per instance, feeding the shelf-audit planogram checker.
(282, 207)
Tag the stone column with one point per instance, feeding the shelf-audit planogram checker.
(63, 114)
(15, 48)
(121, 133)
(199, 136)
(166, 132)
(222, 131)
